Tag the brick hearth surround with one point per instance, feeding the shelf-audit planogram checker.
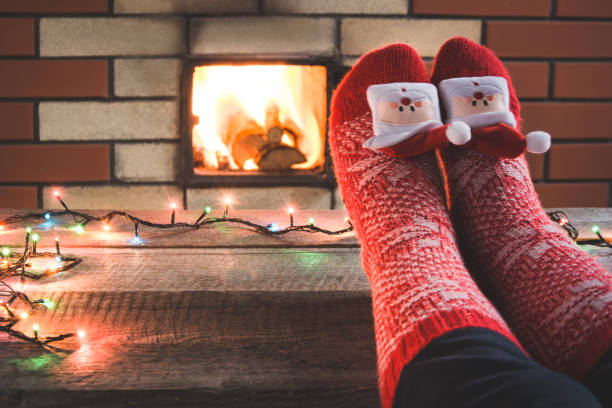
(89, 88)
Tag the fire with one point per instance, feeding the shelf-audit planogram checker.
(296, 92)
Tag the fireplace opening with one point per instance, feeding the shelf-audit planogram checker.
(250, 123)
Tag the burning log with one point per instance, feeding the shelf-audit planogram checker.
(249, 143)
(242, 135)
(279, 157)
(272, 125)
(293, 131)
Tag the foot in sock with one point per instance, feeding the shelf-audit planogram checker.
(556, 298)
(420, 287)
(485, 102)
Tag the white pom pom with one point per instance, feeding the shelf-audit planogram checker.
(458, 133)
(538, 141)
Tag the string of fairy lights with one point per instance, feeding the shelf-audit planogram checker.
(563, 221)
(20, 264)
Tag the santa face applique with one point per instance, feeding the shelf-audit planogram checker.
(478, 103)
(484, 104)
(406, 111)
(406, 119)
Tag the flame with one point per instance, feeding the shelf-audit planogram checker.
(250, 165)
(298, 90)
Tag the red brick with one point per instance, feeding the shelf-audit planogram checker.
(569, 120)
(549, 38)
(580, 161)
(584, 8)
(18, 197)
(54, 163)
(530, 79)
(17, 121)
(53, 78)
(573, 194)
(16, 36)
(536, 165)
(540, 8)
(54, 6)
(583, 80)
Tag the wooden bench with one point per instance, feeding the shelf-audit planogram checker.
(220, 316)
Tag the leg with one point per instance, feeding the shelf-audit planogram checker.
(420, 287)
(599, 380)
(555, 296)
(477, 367)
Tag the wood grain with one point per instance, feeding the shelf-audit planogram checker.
(215, 317)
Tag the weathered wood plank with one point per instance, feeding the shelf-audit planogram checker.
(212, 236)
(200, 269)
(289, 326)
(216, 342)
(224, 317)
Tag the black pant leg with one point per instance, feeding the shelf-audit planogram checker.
(599, 380)
(477, 367)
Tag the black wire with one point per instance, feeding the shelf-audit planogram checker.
(87, 218)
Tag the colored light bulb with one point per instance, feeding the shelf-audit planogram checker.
(79, 229)
(35, 328)
(106, 227)
(595, 229)
(207, 209)
(23, 315)
(56, 193)
(47, 216)
(49, 304)
(28, 230)
(311, 221)
(290, 211)
(80, 334)
(6, 251)
(35, 237)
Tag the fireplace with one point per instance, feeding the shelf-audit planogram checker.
(257, 121)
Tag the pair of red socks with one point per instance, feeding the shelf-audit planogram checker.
(543, 292)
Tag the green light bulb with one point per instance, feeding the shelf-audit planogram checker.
(6, 251)
(311, 221)
(35, 237)
(79, 229)
(29, 230)
(595, 229)
(207, 210)
(35, 327)
(48, 304)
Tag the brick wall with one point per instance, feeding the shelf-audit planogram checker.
(89, 90)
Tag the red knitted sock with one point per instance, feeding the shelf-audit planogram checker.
(556, 297)
(420, 287)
